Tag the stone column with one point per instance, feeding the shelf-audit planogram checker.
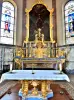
(54, 20)
(24, 22)
(27, 25)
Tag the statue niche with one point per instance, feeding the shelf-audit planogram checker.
(39, 18)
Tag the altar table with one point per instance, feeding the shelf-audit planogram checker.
(35, 78)
(38, 75)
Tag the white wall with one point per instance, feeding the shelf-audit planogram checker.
(19, 4)
(30, 3)
(60, 21)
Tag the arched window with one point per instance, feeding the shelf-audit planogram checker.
(7, 23)
(69, 22)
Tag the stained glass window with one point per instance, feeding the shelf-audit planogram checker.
(7, 23)
(69, 22)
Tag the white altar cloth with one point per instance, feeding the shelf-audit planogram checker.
(38, 75)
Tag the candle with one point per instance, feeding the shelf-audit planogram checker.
(10, 67)
(23, 44)
(30, 44)
(56, 45)
(60, 67)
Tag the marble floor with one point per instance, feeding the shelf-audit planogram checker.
(69, 86)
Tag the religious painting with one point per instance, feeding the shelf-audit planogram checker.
(39, 18)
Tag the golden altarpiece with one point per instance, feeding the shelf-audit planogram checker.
(39, 53)
(39, 47)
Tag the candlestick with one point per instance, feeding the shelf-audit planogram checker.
(23, 44)
(60, 67)
(10, 67)
(30, 44)
(56, 45)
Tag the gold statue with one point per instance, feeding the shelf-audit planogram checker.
(34, 90)
(39, 36)
(39, 52)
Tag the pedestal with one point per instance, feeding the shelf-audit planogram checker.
(44, 93)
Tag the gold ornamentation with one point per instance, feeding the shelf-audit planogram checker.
(60, 52)
(39, 1)
(27, 26)
(19, 63)
(27, 11)
(43, 88)
(39, 36)
(40, 52)
(51, 26)
(34, 90)
(51, 11)
(20, 54)
(25, 87)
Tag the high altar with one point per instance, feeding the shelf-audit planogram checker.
(39, 53)
(39, 47)
(39, 50)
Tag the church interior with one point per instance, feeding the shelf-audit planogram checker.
(36, 49)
